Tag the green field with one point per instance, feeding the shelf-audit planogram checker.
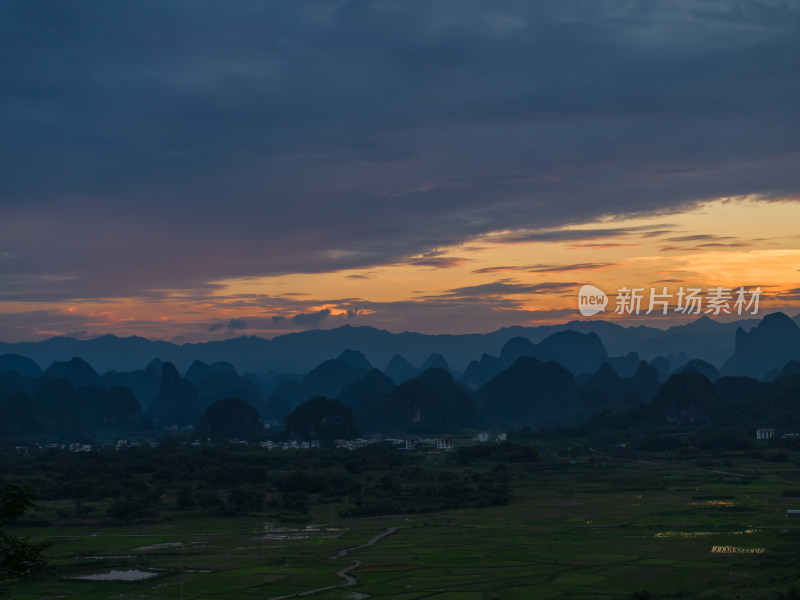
(577, 527)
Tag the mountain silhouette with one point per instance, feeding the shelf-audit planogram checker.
(515, 348)
(400, 370)
(197, 371)
(626, 365)
(22, 365)
(431, 403)
(662, 367)
(686, 398)
(790, 372)
(60, 396)
(457, 400)
(329, 378)
(528, 392)
(144, 384)
(605, 388)
(231, 418)
(435, 361)
(607, 380)
(704, 338)
(218, 386)
(21, 417)
(577, 352)
(480, 371)
(373, 385)
(701, 366)
(115, 408)
(769, 345)
(177, 400)
(645, 381)
(355, 360)
(323, 419)
(75, 370)
(289, 391)
(275, 409)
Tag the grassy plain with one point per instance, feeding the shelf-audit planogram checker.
(578, 526)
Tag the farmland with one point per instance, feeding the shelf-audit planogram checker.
(579, 524)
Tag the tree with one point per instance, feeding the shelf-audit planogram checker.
(20, 558)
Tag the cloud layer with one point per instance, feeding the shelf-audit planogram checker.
(158, 146)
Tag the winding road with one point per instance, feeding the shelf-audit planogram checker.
(345, 572)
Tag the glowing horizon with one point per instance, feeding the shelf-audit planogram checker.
(505, 277)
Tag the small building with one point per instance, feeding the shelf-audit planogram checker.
(502, 437)
(444, 444)
(409, 444)
(483, 437)
(765, 433)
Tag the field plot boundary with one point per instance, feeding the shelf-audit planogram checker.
(344, 573)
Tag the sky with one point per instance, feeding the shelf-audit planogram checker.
(198, 170)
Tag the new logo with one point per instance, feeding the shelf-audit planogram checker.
(591, 300)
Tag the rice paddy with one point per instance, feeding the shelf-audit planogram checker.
(585, 528)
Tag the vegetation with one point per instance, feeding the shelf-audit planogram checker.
(570, 522)
(21, 558)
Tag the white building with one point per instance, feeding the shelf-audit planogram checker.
(445, 443)
(765, 433)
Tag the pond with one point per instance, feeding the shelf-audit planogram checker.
(114, 575)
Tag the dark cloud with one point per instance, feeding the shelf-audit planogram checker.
(706, 246)
(439, 262)
(314, 318)
(496, 270)
(699, 238)
(569, 235)
(567, 268)
(550, 268)
(723, 245)
(160, 146)
(78, 334)
(509, 287)
(237, 324)
(602, 246)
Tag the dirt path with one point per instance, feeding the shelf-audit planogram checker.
(345, 572)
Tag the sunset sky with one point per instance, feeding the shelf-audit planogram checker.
(194, 171)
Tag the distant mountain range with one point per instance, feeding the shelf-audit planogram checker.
(564, 378)
(704, 339)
